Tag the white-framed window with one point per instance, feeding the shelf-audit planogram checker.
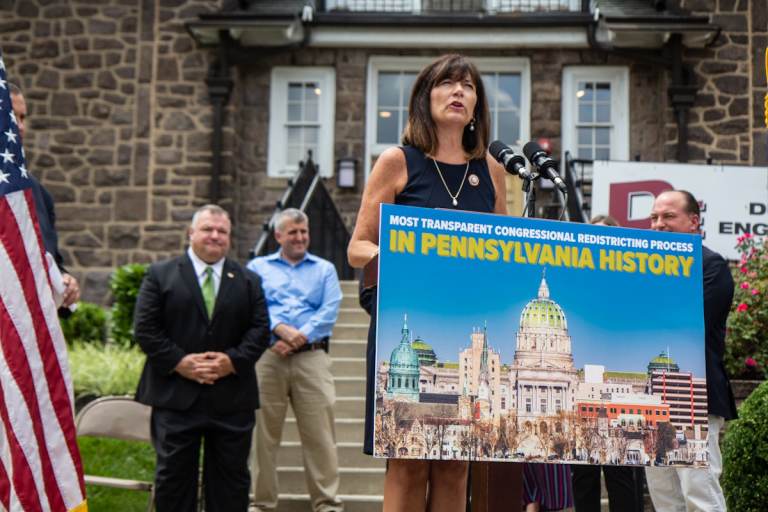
(507, 84)
(301, 118)
(595, 112)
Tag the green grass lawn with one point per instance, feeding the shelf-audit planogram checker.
(124, 459)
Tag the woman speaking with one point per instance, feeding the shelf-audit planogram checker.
(442, 163)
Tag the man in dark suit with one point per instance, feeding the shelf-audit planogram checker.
(685, 488)
(202, 321)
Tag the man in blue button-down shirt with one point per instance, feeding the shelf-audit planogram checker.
(303, 297)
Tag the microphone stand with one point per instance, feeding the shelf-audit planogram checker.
(530, 195)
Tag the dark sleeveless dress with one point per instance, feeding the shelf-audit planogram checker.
(425, 189)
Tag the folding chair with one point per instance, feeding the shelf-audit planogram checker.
(117, 417)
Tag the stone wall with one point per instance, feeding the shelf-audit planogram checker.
(118, 125)
(726, 123)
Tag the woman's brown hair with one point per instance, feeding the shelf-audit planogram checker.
(421, 132)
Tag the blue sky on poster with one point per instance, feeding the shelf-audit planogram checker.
(618, 319)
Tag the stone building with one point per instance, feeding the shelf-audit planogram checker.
(142, 110)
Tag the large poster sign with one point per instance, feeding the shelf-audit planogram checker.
(504, 338)
(734, 200)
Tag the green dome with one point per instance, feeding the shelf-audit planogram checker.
(404, 358)
(663, 362)
(543, 311)
(425, 352)
(420, 344)
(403, 375)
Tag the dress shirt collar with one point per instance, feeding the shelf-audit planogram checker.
(200, 265)
(277, 256)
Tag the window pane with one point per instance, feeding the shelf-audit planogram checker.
(585, 113)
(311, 135)
(407, 80)
(294, 112)
(602, 153)
(311, 91)
(294, 91)
(584, 152)
(310, 111)
(293, 154)
(509, 127)
(509, 90)
(387, 128)
(294, 135)
(389, 89)
(587, 90)
(602, 136)
(584, 136)
(603, 91)
(603, 112)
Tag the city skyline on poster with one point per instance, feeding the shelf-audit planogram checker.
(531, 352)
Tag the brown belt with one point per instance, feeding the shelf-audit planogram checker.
(321, 344)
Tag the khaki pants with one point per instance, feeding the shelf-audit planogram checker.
(304, 380)
(687, 489)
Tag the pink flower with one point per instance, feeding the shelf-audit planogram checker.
(755, 291)
(750, 362)
(742, 307)
(744, 285)
(743, 270)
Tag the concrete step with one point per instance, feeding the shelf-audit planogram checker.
(350, 456)
(346, 407)
(351, 480)
(350, 301)
(349, 386)
(348, 366)
(352, 503)
(347, 430)
(348, 348)
(349, 287)
(351, 331)
(353, 315)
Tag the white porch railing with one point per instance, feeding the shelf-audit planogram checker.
(452, 6)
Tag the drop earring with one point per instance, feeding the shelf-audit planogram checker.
(472, 125)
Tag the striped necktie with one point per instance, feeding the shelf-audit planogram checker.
(209, 294)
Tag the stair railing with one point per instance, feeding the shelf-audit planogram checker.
(328, 234)
(578, 205)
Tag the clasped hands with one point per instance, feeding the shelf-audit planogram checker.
(289, 340)
(205, 367)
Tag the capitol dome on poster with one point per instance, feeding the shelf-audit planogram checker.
(543, 313)
(543, 330)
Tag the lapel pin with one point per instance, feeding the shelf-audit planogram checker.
(230, 275)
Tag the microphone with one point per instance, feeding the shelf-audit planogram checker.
(545, 165)
(513, 164)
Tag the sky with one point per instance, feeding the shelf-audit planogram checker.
(616, 319)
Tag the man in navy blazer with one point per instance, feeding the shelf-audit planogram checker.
(686, 488)
(202, 321)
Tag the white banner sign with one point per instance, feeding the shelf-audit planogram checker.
(733, 200)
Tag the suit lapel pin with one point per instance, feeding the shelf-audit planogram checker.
(230, 275)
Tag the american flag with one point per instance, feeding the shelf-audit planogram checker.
(40, 467)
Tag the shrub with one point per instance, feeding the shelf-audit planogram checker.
(108, 369)
(746, 349)
(88, 324)
(125, 285)
(745, 455)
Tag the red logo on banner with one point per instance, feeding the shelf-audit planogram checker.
(622, 195)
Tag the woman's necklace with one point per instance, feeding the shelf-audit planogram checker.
(455, 198)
